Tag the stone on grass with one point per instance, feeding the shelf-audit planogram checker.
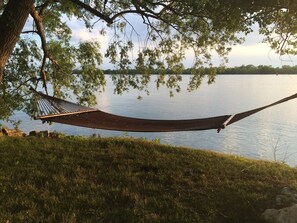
(33, 133)
(13, 132)
(284, 215)
(56, 135)
(44, 134)
(288, 197)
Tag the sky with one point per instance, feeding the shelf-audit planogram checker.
(252, 51)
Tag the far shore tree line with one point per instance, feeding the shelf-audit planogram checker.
(243, 69)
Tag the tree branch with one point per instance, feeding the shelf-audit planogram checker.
(43, 7)
(124, 12)
(29, 31)
(24, 83)
(92, 10)
(40, 31)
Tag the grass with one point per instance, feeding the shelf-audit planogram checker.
(128, 180)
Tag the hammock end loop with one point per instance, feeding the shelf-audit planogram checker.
(225, 123)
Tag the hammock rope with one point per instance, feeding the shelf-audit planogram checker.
(52, 109)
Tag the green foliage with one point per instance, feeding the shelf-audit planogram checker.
(169, 30)
(124, 180)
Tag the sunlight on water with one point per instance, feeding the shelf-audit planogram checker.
(270, 134)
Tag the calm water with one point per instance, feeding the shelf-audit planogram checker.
(270, 134)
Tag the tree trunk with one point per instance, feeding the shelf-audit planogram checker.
(12, 22)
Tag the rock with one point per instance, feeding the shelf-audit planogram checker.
(286, 191)
(288, 197)
(33, 133)
(284, 215)
(44, 134)
(55, 135)
(13, 132)
(4, 131)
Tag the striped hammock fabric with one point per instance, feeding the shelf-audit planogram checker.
(52, 109)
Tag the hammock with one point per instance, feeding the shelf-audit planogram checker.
(52, 109)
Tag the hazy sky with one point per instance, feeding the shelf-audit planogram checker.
(251, 52)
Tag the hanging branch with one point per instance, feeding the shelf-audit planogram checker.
(93, 11)
(46, 55)
(44, 6)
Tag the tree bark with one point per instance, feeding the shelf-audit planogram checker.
(12, 22)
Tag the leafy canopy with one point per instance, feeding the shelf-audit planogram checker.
(46, 53)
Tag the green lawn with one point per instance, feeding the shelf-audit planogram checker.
(128, 180)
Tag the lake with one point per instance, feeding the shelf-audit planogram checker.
(270, 134)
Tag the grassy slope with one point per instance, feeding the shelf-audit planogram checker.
(125, 180)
